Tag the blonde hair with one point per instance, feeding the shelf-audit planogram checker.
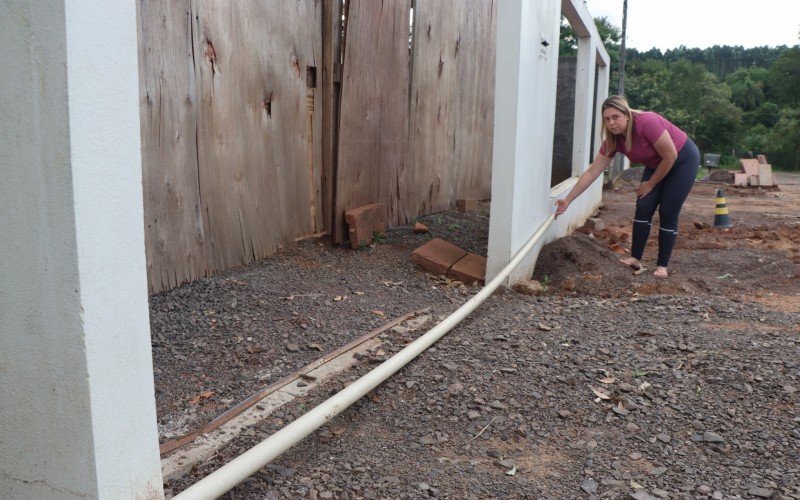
(620, 104)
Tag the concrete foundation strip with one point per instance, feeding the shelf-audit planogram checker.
(266, 391)
(240, 468)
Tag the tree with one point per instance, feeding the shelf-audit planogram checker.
(784, 77)
(783, 143)
(609, 34)
(747, 87)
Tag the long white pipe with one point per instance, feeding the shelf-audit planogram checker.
(237, 470)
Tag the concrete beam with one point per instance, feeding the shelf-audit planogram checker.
(525, 101)
(77, 418)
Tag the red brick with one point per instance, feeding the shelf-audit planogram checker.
(364, 222)
(437, 256)
(420, 228)
(469, 269)
(467, 205)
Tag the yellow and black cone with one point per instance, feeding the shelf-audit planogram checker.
(721, 217)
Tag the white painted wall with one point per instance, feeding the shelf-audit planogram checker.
(525, 102)
(77, 417)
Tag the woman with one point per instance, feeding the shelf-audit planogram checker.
(671, 161)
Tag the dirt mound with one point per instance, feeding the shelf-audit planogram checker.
(582, 264)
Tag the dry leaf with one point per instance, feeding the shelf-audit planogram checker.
(379, 313)
(608, 380)
(392, 283)
(360, 293)
(339, 298)
(600, 393)
(511, 472)
(338, 431)
(290, 297)
(202, 395)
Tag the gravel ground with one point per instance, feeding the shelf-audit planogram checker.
(606, 386)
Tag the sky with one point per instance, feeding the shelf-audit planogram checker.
(667, 24)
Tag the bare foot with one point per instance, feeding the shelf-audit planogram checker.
(661, 272)
(632, 263)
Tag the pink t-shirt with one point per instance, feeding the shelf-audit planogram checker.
(647, 128)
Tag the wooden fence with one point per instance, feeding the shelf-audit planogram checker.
(257, 129)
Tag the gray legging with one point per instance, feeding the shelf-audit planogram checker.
(668, 195)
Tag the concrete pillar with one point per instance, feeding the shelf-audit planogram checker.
(77, 406)
(525, 101)
(584, 104)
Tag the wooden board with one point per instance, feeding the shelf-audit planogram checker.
(176, 235)
(452, 103)
(231, 132)
(259, 182)
(373, 123)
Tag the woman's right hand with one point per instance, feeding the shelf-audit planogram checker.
(561, 206)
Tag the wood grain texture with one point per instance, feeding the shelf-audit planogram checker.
(259, 179)
(231, 132)
(452, 103)
(330, 87)
(175, 230)
(373, 123)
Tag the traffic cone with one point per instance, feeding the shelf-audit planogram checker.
(721, 217)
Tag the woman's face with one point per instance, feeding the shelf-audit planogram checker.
(616, 121)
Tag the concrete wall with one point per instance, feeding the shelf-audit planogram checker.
(525, 119)
(77, 417)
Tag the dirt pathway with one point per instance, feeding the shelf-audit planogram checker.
(609, 385)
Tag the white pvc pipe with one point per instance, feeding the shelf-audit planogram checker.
(240, 468)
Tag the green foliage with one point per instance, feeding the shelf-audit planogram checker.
(733, 101)
(610, 34)
(783, 142)
(785, 78)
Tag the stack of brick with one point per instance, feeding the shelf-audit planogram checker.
(755, 173)
(441, 257)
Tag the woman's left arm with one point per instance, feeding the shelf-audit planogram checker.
(666, 150)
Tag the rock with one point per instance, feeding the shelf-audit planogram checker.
(420, 228)
(712, 437)
(497, 405)
(760, 492)
(657, 471)
(635, 455)
(589, 486)
(620, 410)
(641, 495)
(292, 347)
(428, 440)
(508, 464)
(595, 223)
(455, 388)
(663, 437)
(529, 287)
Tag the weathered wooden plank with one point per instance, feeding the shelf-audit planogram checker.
(330, 86)
(452, 101)
(374, 110)
(257, 149)
(175, 231)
